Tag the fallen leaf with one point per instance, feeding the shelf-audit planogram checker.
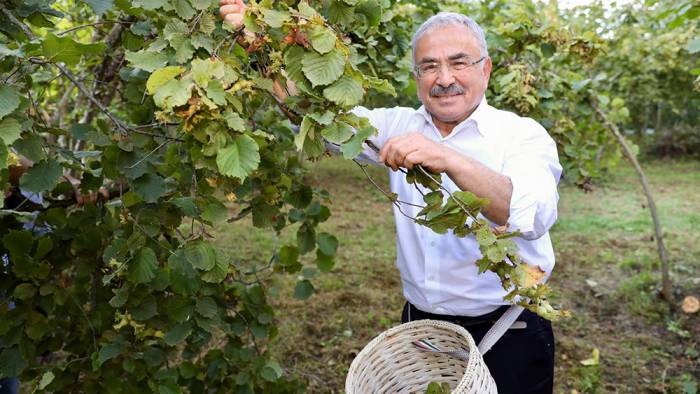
(690, 305)
(594, 360)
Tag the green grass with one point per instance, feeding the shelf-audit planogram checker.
(607, 275)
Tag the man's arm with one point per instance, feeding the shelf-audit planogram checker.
(468, 174)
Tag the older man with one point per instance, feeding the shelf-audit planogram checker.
(495, 154)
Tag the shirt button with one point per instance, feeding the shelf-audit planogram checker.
(432, 243)
(431, 277)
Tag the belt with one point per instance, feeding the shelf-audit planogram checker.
(464, 321)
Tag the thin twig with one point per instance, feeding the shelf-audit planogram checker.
(162, 144)
(388, 196)
(92, 24)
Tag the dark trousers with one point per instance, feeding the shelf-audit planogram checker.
(522, 361)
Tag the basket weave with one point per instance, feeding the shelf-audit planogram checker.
(390, 363)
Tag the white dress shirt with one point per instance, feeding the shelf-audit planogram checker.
(438, 271)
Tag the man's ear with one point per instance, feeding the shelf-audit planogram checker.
(488, 66)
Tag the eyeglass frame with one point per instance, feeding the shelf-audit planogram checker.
(419, 74)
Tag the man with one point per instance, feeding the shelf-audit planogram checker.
(495, 154)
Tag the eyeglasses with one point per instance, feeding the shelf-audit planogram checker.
(454, 65)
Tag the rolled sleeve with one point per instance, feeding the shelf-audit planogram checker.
(534, 171)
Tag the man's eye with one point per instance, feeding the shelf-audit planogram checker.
(459, 65)
(430, 67)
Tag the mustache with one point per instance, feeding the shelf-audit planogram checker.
(437, 90)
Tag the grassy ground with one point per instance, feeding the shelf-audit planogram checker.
(606, 274)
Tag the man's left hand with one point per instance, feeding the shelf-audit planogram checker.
(412, 149)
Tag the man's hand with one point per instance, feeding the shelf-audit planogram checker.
(232, 12)
(413, 149)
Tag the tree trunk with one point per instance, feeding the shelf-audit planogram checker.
(665, 277)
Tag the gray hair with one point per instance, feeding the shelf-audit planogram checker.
(442, 19)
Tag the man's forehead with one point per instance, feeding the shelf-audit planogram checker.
(446, 42)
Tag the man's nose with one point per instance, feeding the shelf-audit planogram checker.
(445, 77)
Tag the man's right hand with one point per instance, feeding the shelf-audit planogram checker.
(232, 12)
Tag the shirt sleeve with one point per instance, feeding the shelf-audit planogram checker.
(379, 118)
(532, 164)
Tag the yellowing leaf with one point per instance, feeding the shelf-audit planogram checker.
(527, 275)
(594, 360)
(161, 76)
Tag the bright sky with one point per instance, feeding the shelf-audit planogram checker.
(574, 3)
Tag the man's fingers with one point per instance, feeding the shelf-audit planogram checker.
(230, 9)
(234, 19)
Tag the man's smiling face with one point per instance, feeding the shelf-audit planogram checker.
(450, 96)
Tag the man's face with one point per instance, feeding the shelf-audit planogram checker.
(451, 95)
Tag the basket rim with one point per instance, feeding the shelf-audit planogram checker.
(474, 355)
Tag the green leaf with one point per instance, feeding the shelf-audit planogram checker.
(31, 147)
(183, 47)
(146, 60)
(346, 91)
(337, 133)
(327, 243)
(323, 69)
(144, 266)
(485, 237)
(233, 120)
(146, 310)
(694, 45)
(325, 119)
(4, 154)
(240, 158)
(323, 262)
(61, 49)
(303, 289)
(354, 147)
(42, 176)
(200, 255)
(183, 9)
(100, 6)
(304, 129)
(178, 333)
(150, 187)
(10, 130)
(306, 10)
(272, 371)
(206, 306)
(306, 238)
(202, 4)
(9, 101)
(46, 380)
(161, 76)
(11, 362)
(215, 91)
(149, 4)
(24, 291)
(108, 352)
(218, 273)
(322, 39)
(275, 19)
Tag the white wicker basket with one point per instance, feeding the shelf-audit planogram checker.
(391, 363)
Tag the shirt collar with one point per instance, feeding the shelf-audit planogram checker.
(481, 117)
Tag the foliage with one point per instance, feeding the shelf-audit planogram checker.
(658, 75)
(175, 114)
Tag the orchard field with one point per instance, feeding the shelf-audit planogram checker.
(171, 220)
(606, 275)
